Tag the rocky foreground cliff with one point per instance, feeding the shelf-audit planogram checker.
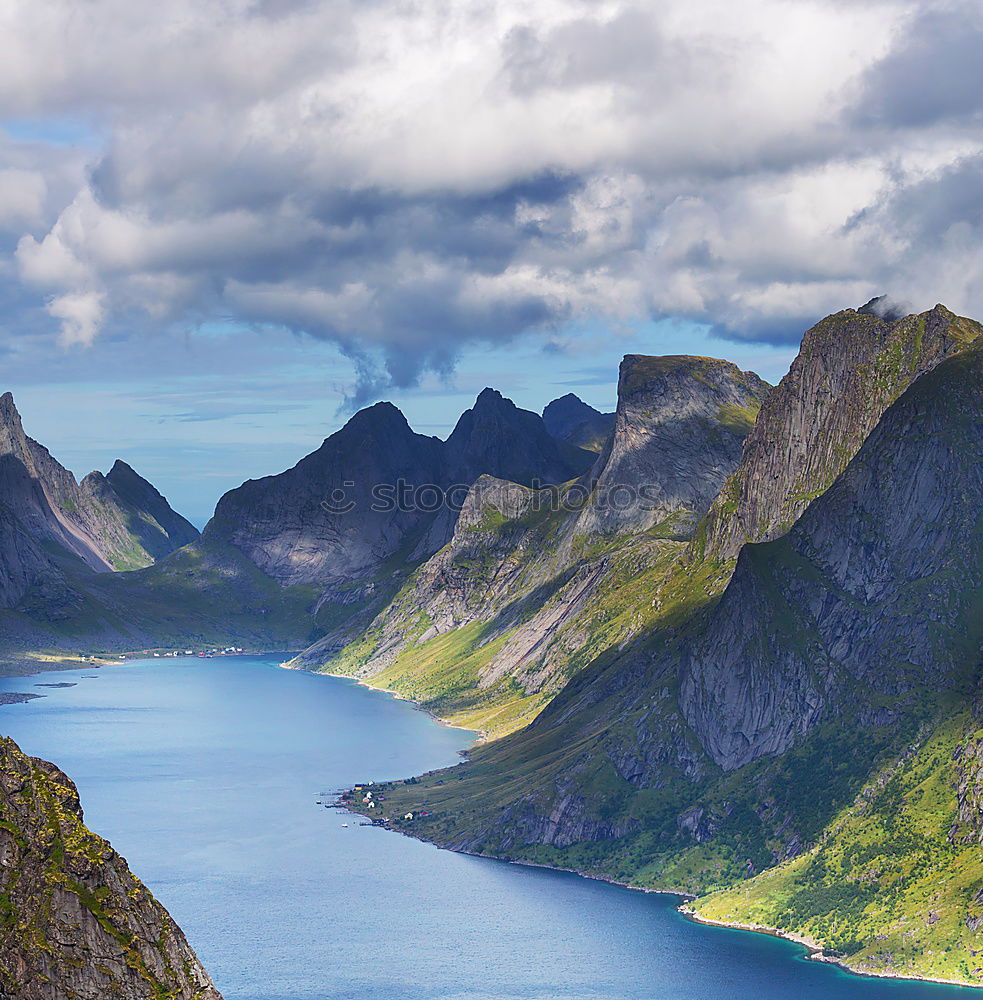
(75, 923)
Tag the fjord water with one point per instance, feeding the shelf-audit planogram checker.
(205, 774)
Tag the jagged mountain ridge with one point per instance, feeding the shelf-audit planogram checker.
(282, 525)
(76, 922)
(517, 580)
(278, 564)
(850, 368)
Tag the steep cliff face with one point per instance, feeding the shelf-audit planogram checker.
(41, 505)
(679, 428)
(77, 925)
(876, 588)
(809, 714)
(851, 367)
(572, 420)
(534, 584)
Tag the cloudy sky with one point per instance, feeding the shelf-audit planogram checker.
(223, 223)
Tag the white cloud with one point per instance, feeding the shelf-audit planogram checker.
(81, 316)
(406, 178)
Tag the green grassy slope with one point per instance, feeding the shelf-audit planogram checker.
(894, 883)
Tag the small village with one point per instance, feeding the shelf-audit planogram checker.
(364, 798)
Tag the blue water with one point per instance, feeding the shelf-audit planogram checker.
(204, 774)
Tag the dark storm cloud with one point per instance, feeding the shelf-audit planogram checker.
(933, 75)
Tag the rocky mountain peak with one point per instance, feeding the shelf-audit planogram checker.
(883, 307)
(563, 414)
(679, 428)
(151, 518)
(574, 421)
(382, 417)
(498, 438)
(121, 470)
(13, 440)
(852, 365)
(8, 409)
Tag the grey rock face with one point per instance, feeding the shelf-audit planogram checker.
(76, 923)
(679, 428)
(873, 590)
(851, 367)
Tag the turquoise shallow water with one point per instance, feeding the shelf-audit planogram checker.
(204, 774)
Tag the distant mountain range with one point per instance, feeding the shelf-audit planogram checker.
(278, 562)
(727, 640)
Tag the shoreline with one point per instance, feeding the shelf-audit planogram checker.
(480, 735)
(31, 664)
(815, 952)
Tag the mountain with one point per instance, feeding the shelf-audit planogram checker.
(315, 550)
(496, 438)
(50, 522)
(805, 717)
(535, 583)
(319, 522)
(850, 368)
(876, 588)
(357, 515)
(159, 528)
(572, 420)
(76, 922)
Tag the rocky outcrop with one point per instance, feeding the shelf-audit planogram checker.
(77, 924)
(968, 765)
(572, 420)
(851, 367)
